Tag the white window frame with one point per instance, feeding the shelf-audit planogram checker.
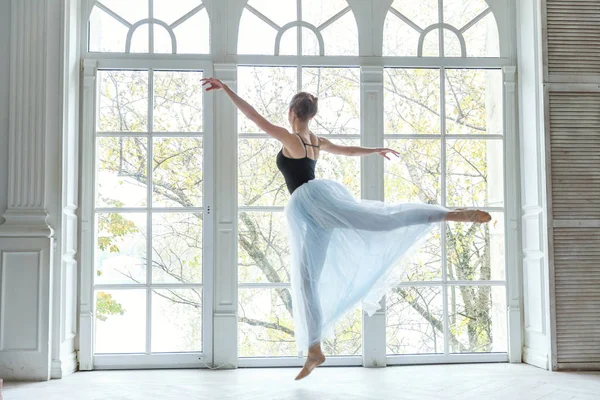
(224, 58)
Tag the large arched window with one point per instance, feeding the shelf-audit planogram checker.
(149, 26)
(440, 28)
(298, 27)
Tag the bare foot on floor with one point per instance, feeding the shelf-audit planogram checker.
(476, 216)
(313, 360)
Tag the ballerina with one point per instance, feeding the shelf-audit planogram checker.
(342, 249)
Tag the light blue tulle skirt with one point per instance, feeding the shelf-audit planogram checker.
(345, 252)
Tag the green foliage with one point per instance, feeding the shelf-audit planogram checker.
(105, 306)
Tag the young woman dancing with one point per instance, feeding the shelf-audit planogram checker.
(342, 249)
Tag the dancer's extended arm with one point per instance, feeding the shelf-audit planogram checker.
(277, 132)
(329, 147)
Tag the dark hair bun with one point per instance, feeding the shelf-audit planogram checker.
(304, 105)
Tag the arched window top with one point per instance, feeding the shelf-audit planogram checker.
(298, 27)
(149, 26)
(441, 28)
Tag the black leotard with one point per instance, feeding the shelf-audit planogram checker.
(297, 171)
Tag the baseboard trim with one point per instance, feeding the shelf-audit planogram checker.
(535, 357)
(66, 367)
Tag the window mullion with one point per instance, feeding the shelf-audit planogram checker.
(444, 202)
(149, 189)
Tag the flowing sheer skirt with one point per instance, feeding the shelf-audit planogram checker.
(344, 252)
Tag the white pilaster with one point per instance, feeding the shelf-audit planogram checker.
(27, 243)
(225, 259)
(372, 188)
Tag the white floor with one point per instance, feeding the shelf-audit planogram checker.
(479, 381)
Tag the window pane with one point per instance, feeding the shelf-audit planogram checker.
(477, 319)
(281, 11)
(338, 91)
(170, 11)
(176, 320)
(415, 176)
(318, 11)
(423, 13)
(139, 40)
(343, 169)
(288, 45)
(131, 10)
(177, 101)
(177, 248)
(475, 173)
(120, 321)
(106, 33)
(178, 176)
(414, 320)
(269, 90)
(474, 101)
(310, 43)
(266, 326)
(341, 37)
(451, 44)
(431, 44)
(121, 172)
(399, 38)
(163, 43)
(120, 248)
(259, 181)
(262, 39)
(263, 248)
(193, 35)
(412, 101)
(458, 13)
(482, 39)
(476, 251)
(123, 101)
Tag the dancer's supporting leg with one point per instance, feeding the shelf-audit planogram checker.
(313, 258)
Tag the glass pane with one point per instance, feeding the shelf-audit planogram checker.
(416, 175)
(269, 90)
(259, 181)
(193, 35)
(414, 320)
(451, 44)
(178, 101)
(347, 339)
(399, 38)
(412, 101)
(476, 251)
(341, 37)
(477, 319)
(140, 40)
(482, 39)
(318, 11)
(178, 177)
(170, 11)
(131, 10)
(458, 13)
(106, 33)
(123, 101)
(177, 248)
(163, 42)
(475, 173)
(288, 46)
(266, 326)
(255, 36)
(431, 44)
(338, 91)
(120, 248)
(263, 248)
(281, 11)
(176, 320)
(121, 172)
(423, 12)
(310, 43)
(120, 321)
(474, 101)
(343, 169)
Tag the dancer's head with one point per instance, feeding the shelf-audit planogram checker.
(303, 108)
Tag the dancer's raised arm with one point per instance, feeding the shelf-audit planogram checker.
(277, 132)
(330, 147)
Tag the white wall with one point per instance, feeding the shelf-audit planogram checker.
(4, 87)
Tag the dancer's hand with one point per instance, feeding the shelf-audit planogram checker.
(383, 152)
(214, 84)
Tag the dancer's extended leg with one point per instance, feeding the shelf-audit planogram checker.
(313, 258)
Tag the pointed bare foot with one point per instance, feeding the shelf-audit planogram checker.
(476, 216)
(313, 360)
